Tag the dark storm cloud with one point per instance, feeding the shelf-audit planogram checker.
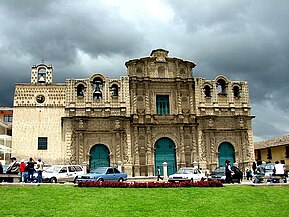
(243, 40)
(55, 31)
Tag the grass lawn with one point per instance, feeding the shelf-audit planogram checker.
(66, 200)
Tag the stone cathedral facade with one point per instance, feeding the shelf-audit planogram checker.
(158, 113)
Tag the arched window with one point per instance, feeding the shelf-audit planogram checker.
(80, 90)
(221, 86)
(114, 90)
(207, 91)
(41, 76)
(97, 88)
(236, 91)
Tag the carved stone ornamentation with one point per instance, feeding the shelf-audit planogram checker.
(158, 98)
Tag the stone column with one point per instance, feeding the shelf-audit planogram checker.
(165, 169)
(194, 146)
(150, 165)
(119, 165)
(127, 160)
(84, 166)
(182, 148)
(136, 153)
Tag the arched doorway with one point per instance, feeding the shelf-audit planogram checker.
(99, 156)
(226, 151)
(165, 152)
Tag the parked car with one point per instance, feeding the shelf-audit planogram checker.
(102, 174)
(187, 174)
(219, 174)
(62, 173)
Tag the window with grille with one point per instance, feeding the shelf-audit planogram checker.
(163, 105)
(8, 118)
(42, 143)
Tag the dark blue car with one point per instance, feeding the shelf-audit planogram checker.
(102, 174)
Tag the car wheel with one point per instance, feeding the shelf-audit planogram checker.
(53, 180)
(100, 180)
(120, 180)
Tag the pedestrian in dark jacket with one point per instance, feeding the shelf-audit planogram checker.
(159, 174)
(30, 166)
(228, 172)
(1, 171)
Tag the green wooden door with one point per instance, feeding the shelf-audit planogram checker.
(165, 152)
(226, 151)
(99, 157)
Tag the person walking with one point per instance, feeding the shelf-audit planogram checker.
(30, 165)
(22, 170)
(254, 167)
(159, 174)
(228, 172)
(39, 169)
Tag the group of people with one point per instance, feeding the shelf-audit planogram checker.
(279, 170)
(27, 169)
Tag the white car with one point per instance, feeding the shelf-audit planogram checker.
(62, 173)
(187, 174)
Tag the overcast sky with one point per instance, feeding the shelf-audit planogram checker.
(243, 40)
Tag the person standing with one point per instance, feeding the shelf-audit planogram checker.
(39, 169)
(1, 171)
(279, 170)
(22, 170)
(30, 165)
(228, 172)
(254, 167)
(159, 174)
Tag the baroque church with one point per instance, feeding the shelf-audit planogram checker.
(158, 113)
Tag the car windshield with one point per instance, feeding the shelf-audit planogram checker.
(219, 170)
(100, 170)
(53, 169)
(185, 171)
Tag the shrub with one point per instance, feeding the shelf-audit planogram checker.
(149, 184)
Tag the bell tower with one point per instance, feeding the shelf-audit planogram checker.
(41, 74)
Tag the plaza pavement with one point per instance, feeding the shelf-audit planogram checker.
(144, 179)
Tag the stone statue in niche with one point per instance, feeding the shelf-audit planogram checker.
(211, 122)
(241, 123)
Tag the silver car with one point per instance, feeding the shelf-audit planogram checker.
(62, 173)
